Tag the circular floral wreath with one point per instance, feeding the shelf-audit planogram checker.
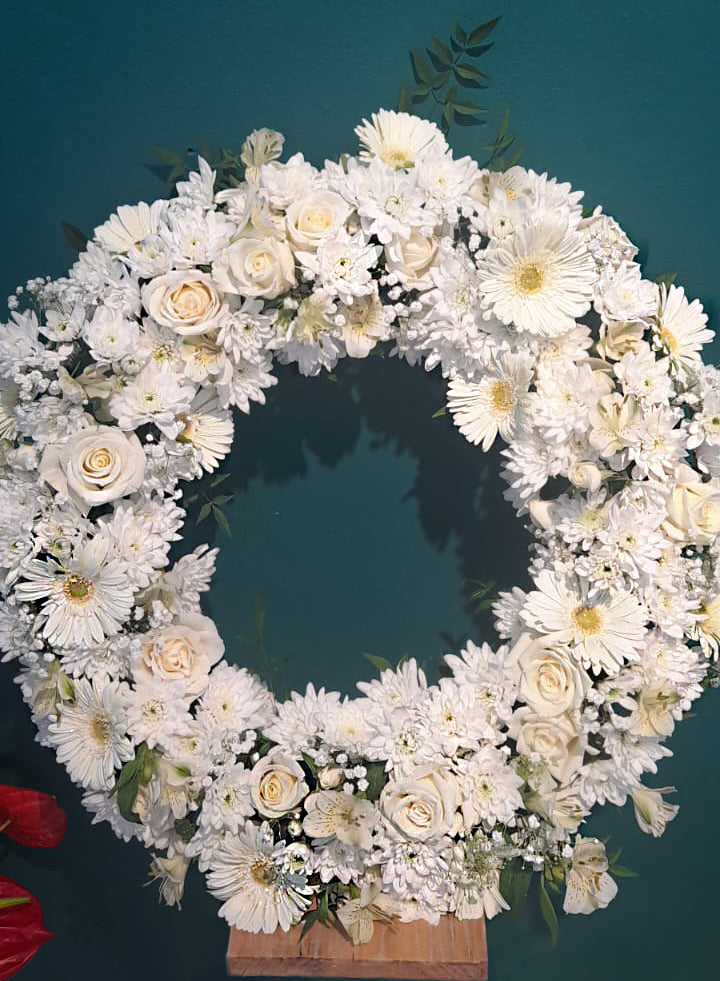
(413, 799)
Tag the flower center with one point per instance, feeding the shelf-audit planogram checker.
(263, 872)
(588, 619)
(77, 587)
(501, 396)
(100, 729)
(530, 278)
(396, 158)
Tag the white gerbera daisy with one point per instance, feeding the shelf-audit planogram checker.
(247, 872)
(90, 737)
(605, 630)
(8, 401)
(87, 598)
(540, 279)
(130, 225)
(681, 327)
(399, 139)
(209, 428)
(495, 404)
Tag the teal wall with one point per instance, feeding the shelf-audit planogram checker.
(357, 517)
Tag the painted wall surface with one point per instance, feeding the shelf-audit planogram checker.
(357, 518)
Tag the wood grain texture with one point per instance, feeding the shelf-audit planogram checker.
(455, 949)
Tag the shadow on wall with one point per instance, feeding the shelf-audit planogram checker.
(456, 486)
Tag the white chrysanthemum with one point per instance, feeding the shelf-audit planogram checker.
(110, 335)
(141, 534)
(484, 672)
(156, 395)
(247, 872)
(399, 687)
(540, 279)
(157, 711)
(227, 802)
(85, 599)
(604, 631)
(126, 230)
(399, 139)
(235, 699)
(349, 725)
(490, 789)
(90, 737)
(495, 404)
(681, 327)
(209, 428)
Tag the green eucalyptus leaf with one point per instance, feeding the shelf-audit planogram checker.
(442, 52)
(478, 34)
(404, 101)
(547, 911)
(221, 519)
(421, 67)
(77, 239)
(468, 71)
(204, 512)
(459, 34)
(381, 663)
(442, 411)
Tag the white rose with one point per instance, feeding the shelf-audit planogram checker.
(315, 216)
(412, 258)
(619, 337)
(588, 885)
(551, 682)
(185, 651)
(186, 301)
(585, 475)
(556, 741)
(693, 509)
(424, 804)
(255, 266)
(330, 777)
(95, 466)
(277, 784)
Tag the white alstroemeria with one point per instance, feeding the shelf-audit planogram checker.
(335, 814)
(587, 883)
(651, 812)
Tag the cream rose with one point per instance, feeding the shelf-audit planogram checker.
(315, 216)
(412, 258)
(556, 741)
(551, 682)
(277, 784)
(186, 301)
(423, 805)
(184, 651)
(255, 266)
(693, 509)
(95, 466)
(585, 475)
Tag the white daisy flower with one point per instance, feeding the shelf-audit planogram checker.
(90, 736)
(493, 405)
(127, 230)
(86, 599)
(399, 139)
(247, 872)
(209, 428)
(604, 631)
(540, 279)
(681, 327)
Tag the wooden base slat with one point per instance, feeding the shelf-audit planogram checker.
(455, 950)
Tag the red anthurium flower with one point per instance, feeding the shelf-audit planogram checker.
(21, 927)
(31, 817)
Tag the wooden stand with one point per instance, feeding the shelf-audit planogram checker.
(455, 949)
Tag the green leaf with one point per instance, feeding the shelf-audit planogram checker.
(612, 859)
(467, 108)
(621, 872)
(204, 512)
(439, 412)
(221, 519)
(548, 913)
(459, 34)
(222, 499)
(310, 763)
(323, 909)
(309, 921)
(218, 479)
(480, 33)
(376, 778)
(404, 101)
(468, 71)
(421, 67)
(514, 884)
(448, 114)
(185, 829)
(77, 239)
(381, 663)
(442, 52)
(667, 278)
